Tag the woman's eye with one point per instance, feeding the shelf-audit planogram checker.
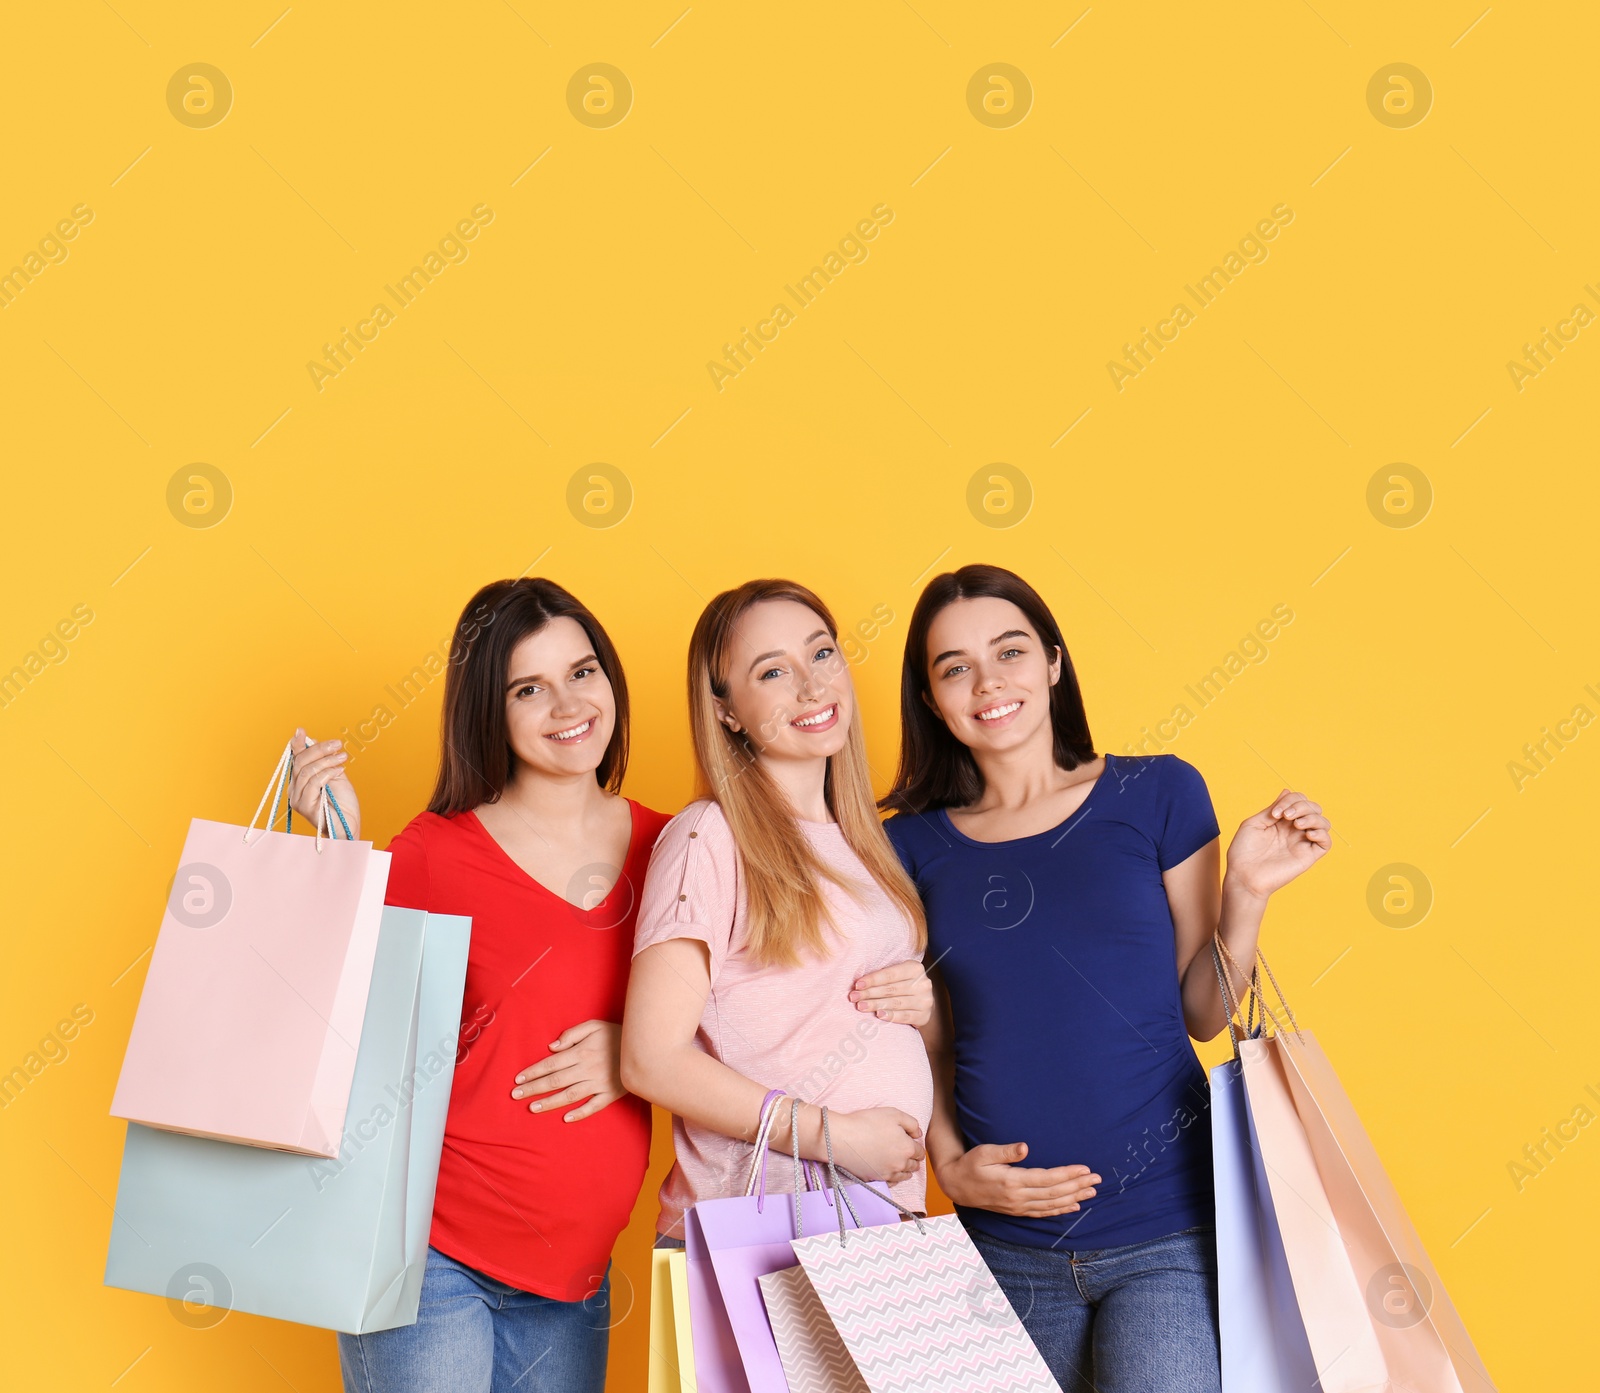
(955, 671)
(770, 672)
(822, 655)
(527, 691)
(1011, 653)
(584, 672)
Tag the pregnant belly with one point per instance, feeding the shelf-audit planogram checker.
(883, 1066)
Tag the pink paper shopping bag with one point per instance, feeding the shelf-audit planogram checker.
(1424, 1341)
(1375, 1313)
(252, 1008)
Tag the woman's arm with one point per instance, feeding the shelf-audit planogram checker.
(1205, 906)
(945, 1142)
(661, 1061)
(1269, 850)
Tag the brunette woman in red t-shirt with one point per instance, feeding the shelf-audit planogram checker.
(544, 1151)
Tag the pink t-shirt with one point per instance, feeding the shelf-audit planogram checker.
(793, 1028)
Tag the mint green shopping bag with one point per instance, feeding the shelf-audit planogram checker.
(340, 1243)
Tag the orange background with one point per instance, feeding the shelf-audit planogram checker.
(948, 398)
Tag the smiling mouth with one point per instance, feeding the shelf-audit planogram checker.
(576, 732)
(997, 713)
(824, 717)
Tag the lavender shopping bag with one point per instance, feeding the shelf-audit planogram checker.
(732, 1244)
(1264, 1346)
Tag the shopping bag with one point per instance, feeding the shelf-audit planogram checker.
(1264, 1346)
(734, 1242)
(814, 1357)
(682, 1320)
(1331, 1304)
(340, 1243)
(917, 1308)
(671, 1349)
(260, 973)
(916, 1305)
(1373, 1310)
(1424, 1343)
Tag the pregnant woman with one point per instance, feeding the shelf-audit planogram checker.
(778, 938)
(544, 1152)
(1071, 902)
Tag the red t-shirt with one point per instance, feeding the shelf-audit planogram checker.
(527, 1198)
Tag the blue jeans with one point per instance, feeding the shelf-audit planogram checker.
(476, 1335)
(1139, 1319)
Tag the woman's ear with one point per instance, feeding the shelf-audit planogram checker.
(1055, 666)
(724, 715)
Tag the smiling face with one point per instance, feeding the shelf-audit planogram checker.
(789, 689)
(560, 709)
(989, 675)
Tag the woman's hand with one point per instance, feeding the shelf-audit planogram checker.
(903, 992)
(989, 1177)
(877, 1143)
(1275, 845)
(317, 765)
(585, 1061)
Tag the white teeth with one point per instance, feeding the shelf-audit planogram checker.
(573, 733)
(999, 711)
(818, 718)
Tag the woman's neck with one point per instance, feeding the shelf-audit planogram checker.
(552, 799)
(804, 783)
(1013, 779)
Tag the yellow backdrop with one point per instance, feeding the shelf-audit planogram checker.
(313, 321)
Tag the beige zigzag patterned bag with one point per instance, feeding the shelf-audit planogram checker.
(915, 1306)
(814, 1357)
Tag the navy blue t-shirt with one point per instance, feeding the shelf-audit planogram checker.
(1058, 953)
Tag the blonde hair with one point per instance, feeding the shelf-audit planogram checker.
(782, 874)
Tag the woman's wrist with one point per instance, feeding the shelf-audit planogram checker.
(944, 1148)
(781, 1137)
(947, 1171)
(1241, 898)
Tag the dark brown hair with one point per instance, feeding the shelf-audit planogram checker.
(475, 756)
(937, 770)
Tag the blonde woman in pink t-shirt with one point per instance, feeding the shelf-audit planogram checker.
(779, 940)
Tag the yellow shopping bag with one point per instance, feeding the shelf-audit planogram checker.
(671, 1348)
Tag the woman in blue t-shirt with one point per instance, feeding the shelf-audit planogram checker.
(1071, 901)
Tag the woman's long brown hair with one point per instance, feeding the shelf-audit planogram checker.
(782, 874)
